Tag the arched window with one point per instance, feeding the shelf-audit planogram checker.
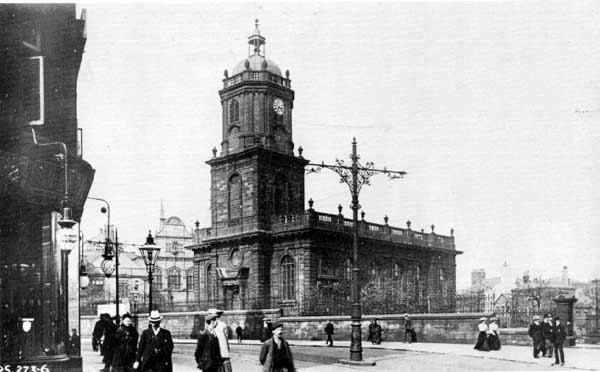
(234, 199)
(348, 269)
(288, 283)
(373, 271)
(418, 284)
(234, 111)
(174, 278)
(189, 279)
(157, 278)
(210, 282)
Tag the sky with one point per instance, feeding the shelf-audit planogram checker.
(492, 109)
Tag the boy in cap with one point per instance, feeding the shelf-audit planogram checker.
(155, 348)
(548, 333)
(275, 354)
(221, 332)
(560, 334)
(208, 353)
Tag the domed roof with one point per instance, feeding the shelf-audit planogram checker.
(256, 63)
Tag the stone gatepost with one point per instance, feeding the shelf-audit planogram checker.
(564, 310)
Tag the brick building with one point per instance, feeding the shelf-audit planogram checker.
(40, 54)
(264, 250)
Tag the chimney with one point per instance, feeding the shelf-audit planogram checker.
(564, 277)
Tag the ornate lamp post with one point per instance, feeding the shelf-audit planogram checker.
(355, 176)
(69, 241)
(150, 252)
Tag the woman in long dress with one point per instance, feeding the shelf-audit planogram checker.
(482, 341)
(493, 339)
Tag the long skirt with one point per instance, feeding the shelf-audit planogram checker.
(482, 342)
(494, 341)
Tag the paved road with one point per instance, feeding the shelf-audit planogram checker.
(323, 359)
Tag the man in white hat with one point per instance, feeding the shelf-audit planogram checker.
(155, 347)
(221, 331)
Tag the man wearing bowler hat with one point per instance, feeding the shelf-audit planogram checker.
(222, 336)
(155, 347)
(208, 353)
(275, 354)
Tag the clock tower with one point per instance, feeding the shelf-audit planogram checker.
(256, 175)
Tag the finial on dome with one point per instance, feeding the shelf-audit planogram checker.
(256, 26)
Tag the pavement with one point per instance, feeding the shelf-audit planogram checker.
(581, 357)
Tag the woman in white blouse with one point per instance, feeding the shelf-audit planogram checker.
(482, 341)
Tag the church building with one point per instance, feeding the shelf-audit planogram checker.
(264, 249)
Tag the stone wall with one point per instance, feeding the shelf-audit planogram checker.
(187, 325)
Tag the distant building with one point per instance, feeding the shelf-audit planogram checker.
(265, 250)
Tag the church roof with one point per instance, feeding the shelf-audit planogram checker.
(257, 62)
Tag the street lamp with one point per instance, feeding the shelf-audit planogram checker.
(150, 252)
(69, 241)
(108, 265)
(84, 279)
(355, 176)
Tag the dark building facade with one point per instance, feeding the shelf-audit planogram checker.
(265, 250)
(41, 46)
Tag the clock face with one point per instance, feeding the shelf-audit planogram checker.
(278, 106)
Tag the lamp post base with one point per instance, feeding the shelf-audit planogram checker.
(364, 362)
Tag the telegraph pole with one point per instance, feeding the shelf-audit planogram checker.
(355, 176)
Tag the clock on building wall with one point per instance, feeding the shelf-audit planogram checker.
(278, 106)
(235, 258)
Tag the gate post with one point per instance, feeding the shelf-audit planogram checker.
(564, 310)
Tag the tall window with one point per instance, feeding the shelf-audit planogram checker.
(288, 285)
(189, 279)
(418, 284)
(174, 278)
(348, 269)
(157, 278)
(234, 198)
(234, 111)
(373, 271)
(210, 282)
(280, 195)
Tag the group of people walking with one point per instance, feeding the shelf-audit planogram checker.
(548, 337)
(123, 352)
(488, 337)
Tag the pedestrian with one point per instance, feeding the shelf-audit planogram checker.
(409, 331)
(493, 334)
(329, 332)
(371, 331)
(548, 334)
(222, 336)
(535, 332)
(109, 329)
(208, 353)
(155, 348)
(239, 331)
(482, 341)
(267, 329)
(377, 332)
(560, 334)
(126, 340)
(97, 334)
(74, 343)
(275, 354)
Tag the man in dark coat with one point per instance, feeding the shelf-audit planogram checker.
(409, 332)
(74, 343)
(535, 332)
(208, 352)
(125, 349)
(548, 333)
(329, 332)
(155, 347)
(560, 334)
(108, 341)
(275, 353)
(97, 334)
(239, 331)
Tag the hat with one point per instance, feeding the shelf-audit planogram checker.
(482, 319)
(219, 312)
(277, 325)
(155, 316)
(210, 317)
(406, 315)
(556, 318)
(493, 319)
(536, 317)
(126, 315)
